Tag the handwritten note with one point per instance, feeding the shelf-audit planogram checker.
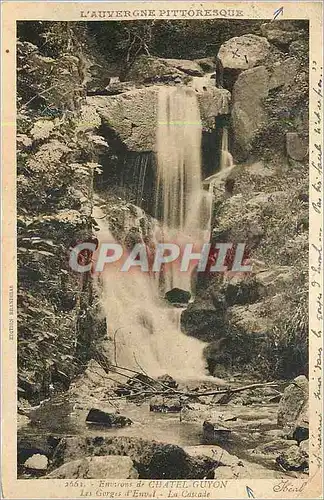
(316, 268)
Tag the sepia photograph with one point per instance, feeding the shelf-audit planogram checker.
(163, 335)
(162, 239)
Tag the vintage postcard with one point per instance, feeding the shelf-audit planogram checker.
(162, 268)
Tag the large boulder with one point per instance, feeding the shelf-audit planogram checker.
(130, 118)
(241, 53)
(99, 417)
(112, 467)
(292, 412)
(154, 69)
(248, 112)
(153, 460)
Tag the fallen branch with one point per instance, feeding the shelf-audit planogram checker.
(206, 393)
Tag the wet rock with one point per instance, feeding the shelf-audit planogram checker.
(37, 462)
(294, 458)
(297, 146)
(212, 102)
(167, 381)
(241, 290)
(131, 117)
(164, 404)
(248, 112)
(112, 467)
(217, 360)
(292, 404)
(153, 460)
(100, 417)
(177, 295)
(214, 432)
(204, 319)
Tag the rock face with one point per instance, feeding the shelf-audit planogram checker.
(130, 118)
(293, 406)
(283, 73)
(152, 460)
(112, 467)
(248, 113)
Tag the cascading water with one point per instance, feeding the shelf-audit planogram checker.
(226, 159)
(142, 333)
(182, 205)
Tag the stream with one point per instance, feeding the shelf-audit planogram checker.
(251, 425)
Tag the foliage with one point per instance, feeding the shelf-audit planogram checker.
(186, 39)
(56, 161)
(284, 353)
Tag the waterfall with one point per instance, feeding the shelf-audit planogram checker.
(181, 203)
(142, 333)
(226, 159)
